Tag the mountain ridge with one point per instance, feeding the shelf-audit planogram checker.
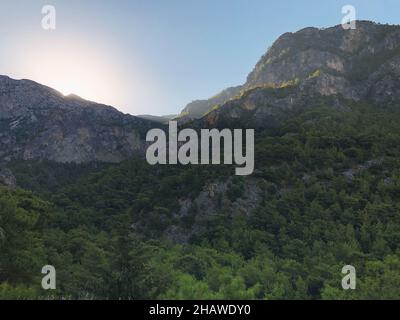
(38, 122)
(312, 66)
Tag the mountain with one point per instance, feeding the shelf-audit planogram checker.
(37, 122)
(303, 67)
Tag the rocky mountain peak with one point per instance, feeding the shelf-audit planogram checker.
(37, 122)
(352, 64)
(297, 55)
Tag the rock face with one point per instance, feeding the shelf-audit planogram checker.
(358, 65)
(37, 122)
(214, 200)
(7, 178)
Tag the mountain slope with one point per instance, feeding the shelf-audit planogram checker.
(37, 122)
(325, 193)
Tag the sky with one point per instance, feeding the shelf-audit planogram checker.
(155, 56)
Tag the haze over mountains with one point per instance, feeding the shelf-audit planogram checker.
(37, 122)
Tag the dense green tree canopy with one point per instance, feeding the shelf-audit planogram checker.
(330, 185)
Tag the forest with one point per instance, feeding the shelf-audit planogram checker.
(330, 188)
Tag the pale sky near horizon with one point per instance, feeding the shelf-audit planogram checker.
(155, 56)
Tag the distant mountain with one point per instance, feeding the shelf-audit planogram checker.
(160, 119)
(37, 122)
(196, 109)
(302, 67)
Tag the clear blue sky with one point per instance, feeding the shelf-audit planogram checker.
(154, 56)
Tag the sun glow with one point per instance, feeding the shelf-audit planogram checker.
(73, 67)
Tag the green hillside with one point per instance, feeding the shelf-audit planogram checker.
(330, 188)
